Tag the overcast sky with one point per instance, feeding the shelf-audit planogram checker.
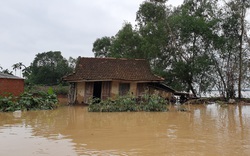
(29, 27)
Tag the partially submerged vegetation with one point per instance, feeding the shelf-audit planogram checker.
(129, 103)
(218, 100)
(28, 101)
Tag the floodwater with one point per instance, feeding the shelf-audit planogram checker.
(70, 131)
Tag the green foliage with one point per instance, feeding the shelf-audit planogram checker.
(153, 28)
(153, 102)
(6, 71)
(101, 47)
(196, 46)
(126, 43)
(147, 40)
(48, 68)
(50, 91)
(8, 104)
(61, 89)
(28, 101)
(154, 39)
(121, 104)
(19, 66)
(57, 89)
(129, 103)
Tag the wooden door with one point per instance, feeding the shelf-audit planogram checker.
(106, 88)
(141, 89)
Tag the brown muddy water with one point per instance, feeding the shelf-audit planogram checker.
(69, 131)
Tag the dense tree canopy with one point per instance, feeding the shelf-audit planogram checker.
(48, 68)
(197, 46)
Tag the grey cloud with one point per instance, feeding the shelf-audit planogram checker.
(29, 27)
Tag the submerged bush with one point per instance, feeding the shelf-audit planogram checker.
(153, 103)
(7, 104)
(28, 101)
(129, 103)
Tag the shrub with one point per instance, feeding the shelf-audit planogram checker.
(7, 104)
(153, 102)
(129, 103)
(28, 101)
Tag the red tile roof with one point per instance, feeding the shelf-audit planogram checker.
(112, 69)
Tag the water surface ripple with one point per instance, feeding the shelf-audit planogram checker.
(69, 131)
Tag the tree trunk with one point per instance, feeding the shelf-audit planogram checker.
(192, 89)
(221, 77)
(240, 50)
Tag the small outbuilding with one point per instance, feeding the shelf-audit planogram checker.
(111, 77)
(11, 85)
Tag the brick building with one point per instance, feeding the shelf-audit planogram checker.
(10, 84)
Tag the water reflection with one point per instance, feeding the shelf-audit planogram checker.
(205, 130)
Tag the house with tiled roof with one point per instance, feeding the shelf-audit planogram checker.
(109, 77)
(11, 85)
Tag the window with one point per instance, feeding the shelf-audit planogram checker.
(124, 88)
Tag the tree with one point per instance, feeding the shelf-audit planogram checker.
(196, 46)
(243, 6)
(48, 68)
(6, 71)
(147, 40)
(72, 63)
(151, 23)
(15, 67)
(192, 27)
(126, 43)
(226, 56)
(169, 41)
(18, 66)
(101, 47)
(26, 73)
(231, 52)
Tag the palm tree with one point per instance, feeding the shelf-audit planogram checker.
(15, 67)
(18, 66)
(6, 71)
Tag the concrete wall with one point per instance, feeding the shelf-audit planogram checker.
(80, 92)
(133, 88)
(114, 92)
(114, 89)
(13, 86)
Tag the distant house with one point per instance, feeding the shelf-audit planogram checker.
(108, 77)
(10, 84)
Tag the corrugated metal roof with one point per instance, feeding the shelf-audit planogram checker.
(113, 69)
(8, 76)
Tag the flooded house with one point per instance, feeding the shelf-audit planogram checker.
(11, 85)
(111, 77)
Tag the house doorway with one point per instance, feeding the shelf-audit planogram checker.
(97, 92)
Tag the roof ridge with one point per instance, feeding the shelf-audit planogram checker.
(9, 76)
(113, 58)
